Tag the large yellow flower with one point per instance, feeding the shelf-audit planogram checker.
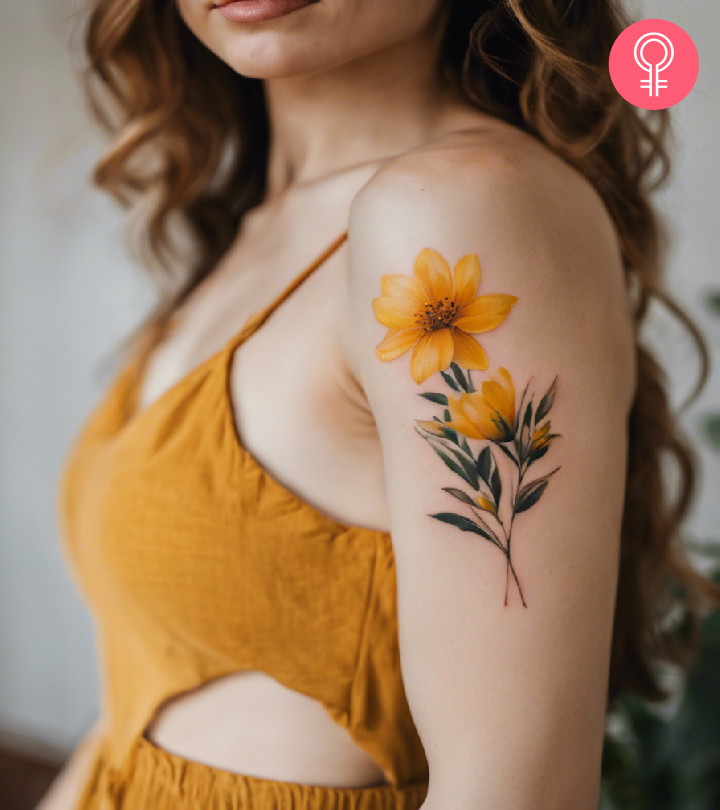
(488, 413)
(432, 313)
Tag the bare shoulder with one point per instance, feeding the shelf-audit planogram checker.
(532, 219)
(486, 317)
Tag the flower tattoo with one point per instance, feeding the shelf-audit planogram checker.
(433, 313)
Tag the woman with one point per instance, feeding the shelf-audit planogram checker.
(237, 510)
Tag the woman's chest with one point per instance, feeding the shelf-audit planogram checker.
(295, 406)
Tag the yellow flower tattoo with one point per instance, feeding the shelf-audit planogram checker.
(433, 311)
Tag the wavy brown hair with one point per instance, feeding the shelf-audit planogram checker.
(188, 154)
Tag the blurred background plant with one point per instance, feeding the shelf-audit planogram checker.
(710, 423)
(667, 757)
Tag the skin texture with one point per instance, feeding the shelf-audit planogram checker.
(502, 694)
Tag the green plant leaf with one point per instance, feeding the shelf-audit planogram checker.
(711, 429)
(539, 453)
(495, 483)
(468, 464)
(460, 495)
(484, 464)
(454, 466)
(447, 432)
(546, 402)
(460, 464)
(516, 423)
(440, 399)
(449, 380)
(507, 453)
(460, 377)
(461, 522)
(529, 495)
(446, 415)
(528, 414)
(713, 302)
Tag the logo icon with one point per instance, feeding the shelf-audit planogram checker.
(654, 68)
(654, 64)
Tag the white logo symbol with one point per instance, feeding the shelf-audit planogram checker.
(654, 83)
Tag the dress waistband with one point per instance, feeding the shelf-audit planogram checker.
(156, 779)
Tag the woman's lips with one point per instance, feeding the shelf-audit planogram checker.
(256, 10)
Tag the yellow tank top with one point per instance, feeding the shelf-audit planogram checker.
(196, 563)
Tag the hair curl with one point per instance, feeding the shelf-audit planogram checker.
(188, 154)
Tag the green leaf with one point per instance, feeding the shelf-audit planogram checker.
(546, 402)
(528, 414)
(461, 522)
(447, 432)
(466, 447)
(460, 465)
(460, 377)
(495, 483)
(711, 428)
(529, 495)
(484, 464)
(713, 302)
(516, 423)
(441, 399)
(501, 425)
(539, 453)
(454, 466)
(449, 380)
(460, 495)
(468, 464)
(446, 415)
(507, 453)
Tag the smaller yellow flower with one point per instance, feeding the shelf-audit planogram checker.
(540, 438)
(488, 413)
(487, 505)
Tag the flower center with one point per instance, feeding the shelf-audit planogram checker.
(437, 316)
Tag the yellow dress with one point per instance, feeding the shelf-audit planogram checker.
(196, 563)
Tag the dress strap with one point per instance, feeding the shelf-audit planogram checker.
(255, 321)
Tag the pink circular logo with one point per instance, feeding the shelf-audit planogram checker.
(654, 64)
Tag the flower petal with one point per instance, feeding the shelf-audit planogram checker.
(508, 385)
(397, 342)
(484, 313)
(467, 279)
(432, 353)
(442, 340)
(471, 416)
(468, 352)
(397, 285)
(463, 425)
(487, 505)
(433, 273)
(431, 426)
(497, 398)
(395, 313)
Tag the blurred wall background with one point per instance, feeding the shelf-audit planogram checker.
(68, 292)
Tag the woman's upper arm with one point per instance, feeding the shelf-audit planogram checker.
(508, 698)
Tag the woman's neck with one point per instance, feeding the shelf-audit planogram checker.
(360, 112)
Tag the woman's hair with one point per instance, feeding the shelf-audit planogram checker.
(188, 154)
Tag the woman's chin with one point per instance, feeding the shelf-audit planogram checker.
(276, 63)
